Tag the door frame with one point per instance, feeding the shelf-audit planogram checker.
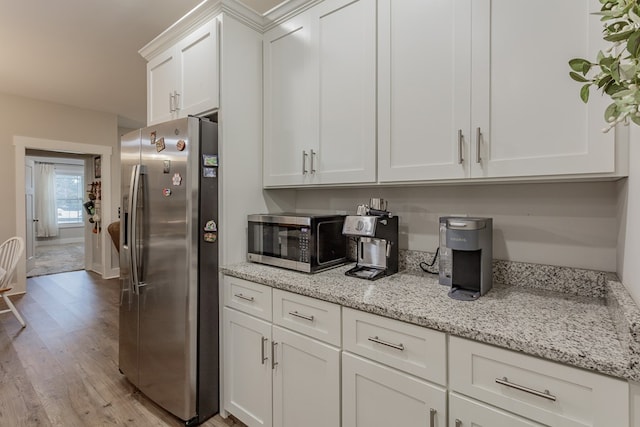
(22, 143)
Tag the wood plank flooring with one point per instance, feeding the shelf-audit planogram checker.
(62, 369)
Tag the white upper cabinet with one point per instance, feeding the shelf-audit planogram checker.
(320, 91)
(183, 80)
(481, 89)
(525, 107)
(288, 134)
(424, 76)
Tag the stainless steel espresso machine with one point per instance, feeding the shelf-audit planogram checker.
(376, 233)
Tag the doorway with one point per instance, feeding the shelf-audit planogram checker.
(55, 219)
(107, 261)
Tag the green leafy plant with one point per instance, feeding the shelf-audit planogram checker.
(616, 71)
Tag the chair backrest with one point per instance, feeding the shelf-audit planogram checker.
(10, 252)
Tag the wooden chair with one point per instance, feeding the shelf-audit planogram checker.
(10, 252)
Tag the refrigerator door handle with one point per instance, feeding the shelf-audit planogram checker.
(133, 232)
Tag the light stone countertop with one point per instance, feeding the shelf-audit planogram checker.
(571, 329)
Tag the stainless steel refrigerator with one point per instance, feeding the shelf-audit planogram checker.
(169, 266)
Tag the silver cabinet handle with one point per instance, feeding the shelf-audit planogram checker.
(250, 299)
(171, 103)
(460, 145)
(273, 354)
(262, 355)
(458, 423)
(388, 344)
(478, 138)
(545, 395)
(176, 99)
(302, 316)
(313, 154)
(432, 417)
(304, 162)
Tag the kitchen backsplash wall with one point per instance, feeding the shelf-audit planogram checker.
(567, 224)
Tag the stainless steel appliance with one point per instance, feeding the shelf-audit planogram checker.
(376, 243)
(466, 256)
(169, 266)
(297, 241)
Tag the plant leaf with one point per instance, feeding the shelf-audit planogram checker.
(633, 44)
(584, 93)
(611, 112)
(635, 119)
(616, 37)
(577, 77)
(580, 65)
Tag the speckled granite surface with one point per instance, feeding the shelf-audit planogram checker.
(573, 329)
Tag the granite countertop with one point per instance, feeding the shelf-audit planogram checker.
(573, 329)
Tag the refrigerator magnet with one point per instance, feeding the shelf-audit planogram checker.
(167, 166)
(152, 137)
(210, 159)
(160, 145)
(210, 237)
(180, 145)
(210, 226)
(209, 172)
(177, 179)
(166, 192)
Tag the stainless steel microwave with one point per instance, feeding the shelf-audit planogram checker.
(302, 242)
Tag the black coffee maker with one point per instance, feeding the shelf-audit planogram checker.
(466, 256)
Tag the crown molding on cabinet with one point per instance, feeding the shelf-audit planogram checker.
(200, 14)
(286, 10)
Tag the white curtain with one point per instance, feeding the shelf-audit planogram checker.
(45, 200)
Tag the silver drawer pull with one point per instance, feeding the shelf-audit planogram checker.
(251, 299)
(262, 355)
(432, 418)
(458, 423)
(302, 316)
(546, 395)
(388, 344)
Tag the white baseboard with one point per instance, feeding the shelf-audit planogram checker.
(113, 273)
(53, 242)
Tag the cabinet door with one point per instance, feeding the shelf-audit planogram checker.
(465, 412)
(306, 381)
(343, 37)
(247, 368)
(199, 81)
(288, 134)
(377, 396)
(527, 109)
(162, 75)
(424, 89)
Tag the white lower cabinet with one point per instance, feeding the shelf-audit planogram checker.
(247, 368)
(465, 412)
(374, 395)
(274, 376)
(306, 380)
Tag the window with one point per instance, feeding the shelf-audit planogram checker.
(69, 194)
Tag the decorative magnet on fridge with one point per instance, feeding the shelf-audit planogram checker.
(210, 237)
(177, 179)
(160, 144)
(211, 226)
(166, 192)
(181, 144)
(210, 159)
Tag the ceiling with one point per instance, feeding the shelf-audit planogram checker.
(84, 53)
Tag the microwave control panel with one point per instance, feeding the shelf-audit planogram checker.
(304, 244)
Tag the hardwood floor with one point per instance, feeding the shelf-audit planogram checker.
(62, 369)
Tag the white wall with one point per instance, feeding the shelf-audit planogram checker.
(629, 220)
(568, 224)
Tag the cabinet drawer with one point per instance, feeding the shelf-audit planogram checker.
(411, 348)
(249, 297)
(315, 318)
(544, 391)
